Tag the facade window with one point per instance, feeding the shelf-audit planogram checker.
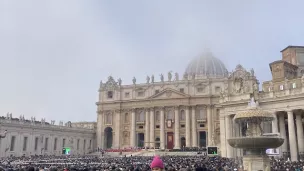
(181, 90)
(63, 143)
(46, 144)
(157, 126)
(157, 116)
(182, 115)
(127, 94)
(78, 144)
(110, 94)
(182, 126)
(126, 117)
(55, 144)
(90, 145)
(170, 115)
(84, 144)
(25, 143)
(202, 114)
(200, 90)
(217, 89)
(36, 143)
(108, 118)
(281, 87)
(13, 141)
(217, 117)
(141, 116)
(294, 85)
(140, 94)
(156, 91)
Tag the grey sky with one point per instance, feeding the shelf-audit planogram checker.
(54, 53)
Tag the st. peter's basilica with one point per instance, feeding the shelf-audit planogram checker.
(173, 111)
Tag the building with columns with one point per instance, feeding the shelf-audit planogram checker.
(197, 109)
(171, 112)
(26, 137)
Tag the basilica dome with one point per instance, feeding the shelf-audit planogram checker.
(206, 65)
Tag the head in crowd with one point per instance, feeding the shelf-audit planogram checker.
(157, 164)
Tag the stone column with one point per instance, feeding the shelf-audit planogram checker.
(99, 129)
(292, 137)
(117, 128)
(194, 127)
(133, 129)
(228, 135)
(209, 122)
(176, 129)
(274, 124)
(147, 128)
(223, 136)
(282, 132)
(188, 127)
(152, 127)
(300, 132)
(162, 128)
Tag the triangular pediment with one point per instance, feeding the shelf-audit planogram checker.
(169, 94)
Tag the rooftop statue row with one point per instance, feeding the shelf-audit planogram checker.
(9, 118)
(239, 72)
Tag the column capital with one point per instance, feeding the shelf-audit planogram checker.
(289, 111)
(118, 110)
(147, 109)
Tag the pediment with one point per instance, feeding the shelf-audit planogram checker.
(168, 94)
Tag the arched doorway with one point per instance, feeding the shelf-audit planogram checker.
(140, 139)
(108, 137)
(202, 139)
(157, 142)
(183, 142)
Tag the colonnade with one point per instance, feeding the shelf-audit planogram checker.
(293, 145)
(191, 126)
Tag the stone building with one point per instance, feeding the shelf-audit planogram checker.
(197, 109)
(31, 137)
(172, 113)
(192, 110)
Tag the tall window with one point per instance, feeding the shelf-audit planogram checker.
(46, 144)
(170, 115)
(157, 116)
(84, 144)
(202, 114)
(24, 143)
(217, 117)
(108, 118)
(36, 143)
(78, 144)
(13, 141)
(126, 117)
(110, 94)
(90, 145)
(141, 116)
(182, 115)
(55, 144)
(63, 143)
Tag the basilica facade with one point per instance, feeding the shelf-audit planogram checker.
(197, 109)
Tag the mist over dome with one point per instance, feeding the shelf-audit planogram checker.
(206, 65)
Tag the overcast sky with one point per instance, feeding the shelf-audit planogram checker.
(53, 53)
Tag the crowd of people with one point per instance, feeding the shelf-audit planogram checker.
(134, 163)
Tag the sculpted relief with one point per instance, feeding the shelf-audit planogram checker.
(240, 79)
